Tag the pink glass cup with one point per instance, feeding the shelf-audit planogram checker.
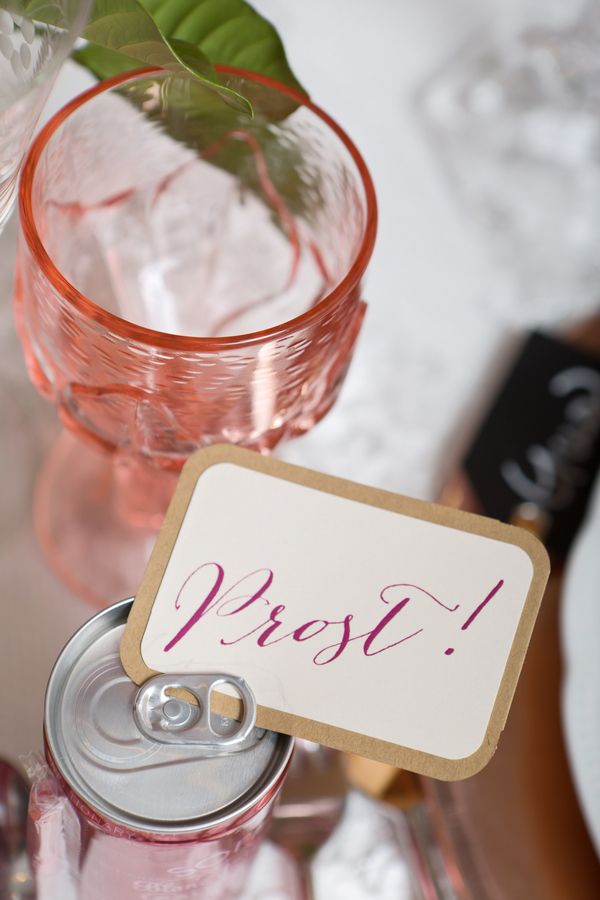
(186, 275)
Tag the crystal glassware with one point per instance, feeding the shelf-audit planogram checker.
(35, 38)
(186, 275)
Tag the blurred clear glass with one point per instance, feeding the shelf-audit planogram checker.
(373, 854)
(35, 38)
(515, 117)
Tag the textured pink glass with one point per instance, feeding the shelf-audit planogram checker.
(186, 275)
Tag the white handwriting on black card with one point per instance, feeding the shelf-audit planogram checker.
(554, 471)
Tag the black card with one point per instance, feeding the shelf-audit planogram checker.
(540, 443)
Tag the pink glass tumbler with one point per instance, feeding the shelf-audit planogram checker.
(186, 275)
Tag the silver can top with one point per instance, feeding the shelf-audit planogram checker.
(127, 777)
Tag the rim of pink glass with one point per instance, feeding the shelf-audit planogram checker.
(144, 335)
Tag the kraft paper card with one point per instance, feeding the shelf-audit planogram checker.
(385, 626)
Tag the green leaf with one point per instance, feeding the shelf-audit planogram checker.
(126, 27)
(191, 34)
(103, 63)
(229, 32)
(226, 32)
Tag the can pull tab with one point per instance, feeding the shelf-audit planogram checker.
(170, 720)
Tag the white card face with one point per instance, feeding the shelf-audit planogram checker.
(343, 614)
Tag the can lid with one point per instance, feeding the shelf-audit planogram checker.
(126, 776)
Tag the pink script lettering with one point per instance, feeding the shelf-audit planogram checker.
(248, 595)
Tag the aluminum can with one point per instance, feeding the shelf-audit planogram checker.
(157, 821)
